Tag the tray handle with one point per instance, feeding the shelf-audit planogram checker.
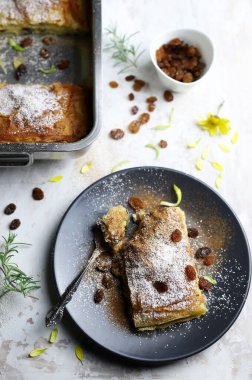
(15, 159)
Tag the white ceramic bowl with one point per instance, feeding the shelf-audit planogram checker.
(192, 37)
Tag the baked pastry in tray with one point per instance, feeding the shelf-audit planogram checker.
(51, 15)
(159, 275)
(43, 113)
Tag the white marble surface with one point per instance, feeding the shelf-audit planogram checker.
(228, 23)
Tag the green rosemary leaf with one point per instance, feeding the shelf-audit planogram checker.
(79, 354)
(155, 148)
(53, 335)
(15, 46)
(178, 193)
(37, 352)
(47, 71)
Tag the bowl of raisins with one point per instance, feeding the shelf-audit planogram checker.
(182, 58)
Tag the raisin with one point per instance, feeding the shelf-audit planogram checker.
(10, 209)
(204, 284)
(116, 268)
(138, 84)
(151, 99)
(163, 144)
(37, 194)
(20, 71)
(129, 78)
(131, 96)
(134, 126)
(175, 42)
(209, 260)
(151, 107)
(44, 53)
(113, 84)
(202, 252)
(103, 262)
(192, 232)
(168, 96)
(188, 78)
(134, 110)
(26, 42)
(49, 40)
(191, 51)
(160, 286)
(176, 236)
(107, 281)
(117, 134)
(190, 272)
(99, 295)
(144, 118)
(136, 203)
(15, 224)
(63, 64)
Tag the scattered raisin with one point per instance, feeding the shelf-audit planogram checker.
(204, 284)
(49, 40)
(134, 126)
(192, 232)
(168, 96)
(15, 224)
(151, 99)
(190, 272)
(202, 252)
(160, 286)
(117, 134)
(144, 118)
(107, 281)
(10, 209)
(99, 295)
(163, 144)
(44, 53)
(151, 107)
(176, 236)
(138, 84)
(37, 194)
(130, 78)
(136, 203)
(116, 268)
(63, 64)
(134, 110)
(131, 96)
(103, 262)
(209, 260)
(20, 71)
(26, 42)
(113, 84)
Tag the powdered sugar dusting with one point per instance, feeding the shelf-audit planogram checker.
(34, 106)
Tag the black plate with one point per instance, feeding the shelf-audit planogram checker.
(219, 229)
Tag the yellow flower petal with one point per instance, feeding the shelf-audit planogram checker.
(55, 179)
(218, 181)
(235, 138)
(224, 148)
(199, 164)
(205, 153)
(217, 166)
(85, 168)
(193, 144)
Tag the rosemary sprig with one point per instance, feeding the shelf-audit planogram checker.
(124, 53)
(13, 279)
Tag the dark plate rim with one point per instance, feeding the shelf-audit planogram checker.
(203, 347)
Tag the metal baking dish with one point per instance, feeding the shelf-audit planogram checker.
(84, 53)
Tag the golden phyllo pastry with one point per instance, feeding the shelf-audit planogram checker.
(51, 15)
(43, 113)
(159, 274)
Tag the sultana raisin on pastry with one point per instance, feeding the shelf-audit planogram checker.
(136, 203)
(190, 272)
(44, 53)
(144, 118)
(134, 110)
(103, 262)
(117, 134)
(160, 286)
(107, 281)
(20, 71)
(168, 96)
(134, 126)
(176, 235)
(192, 232)
(163, 144)
(209, 260)
(98, 296)
(15, 224)
(131, 96)
(116, 268)
(63, 64)
(129, 78)
(202, 252)
(113, 84)
(10, 208)
(204, 284)
(49, 40)
(37, 194)
(26, 42)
